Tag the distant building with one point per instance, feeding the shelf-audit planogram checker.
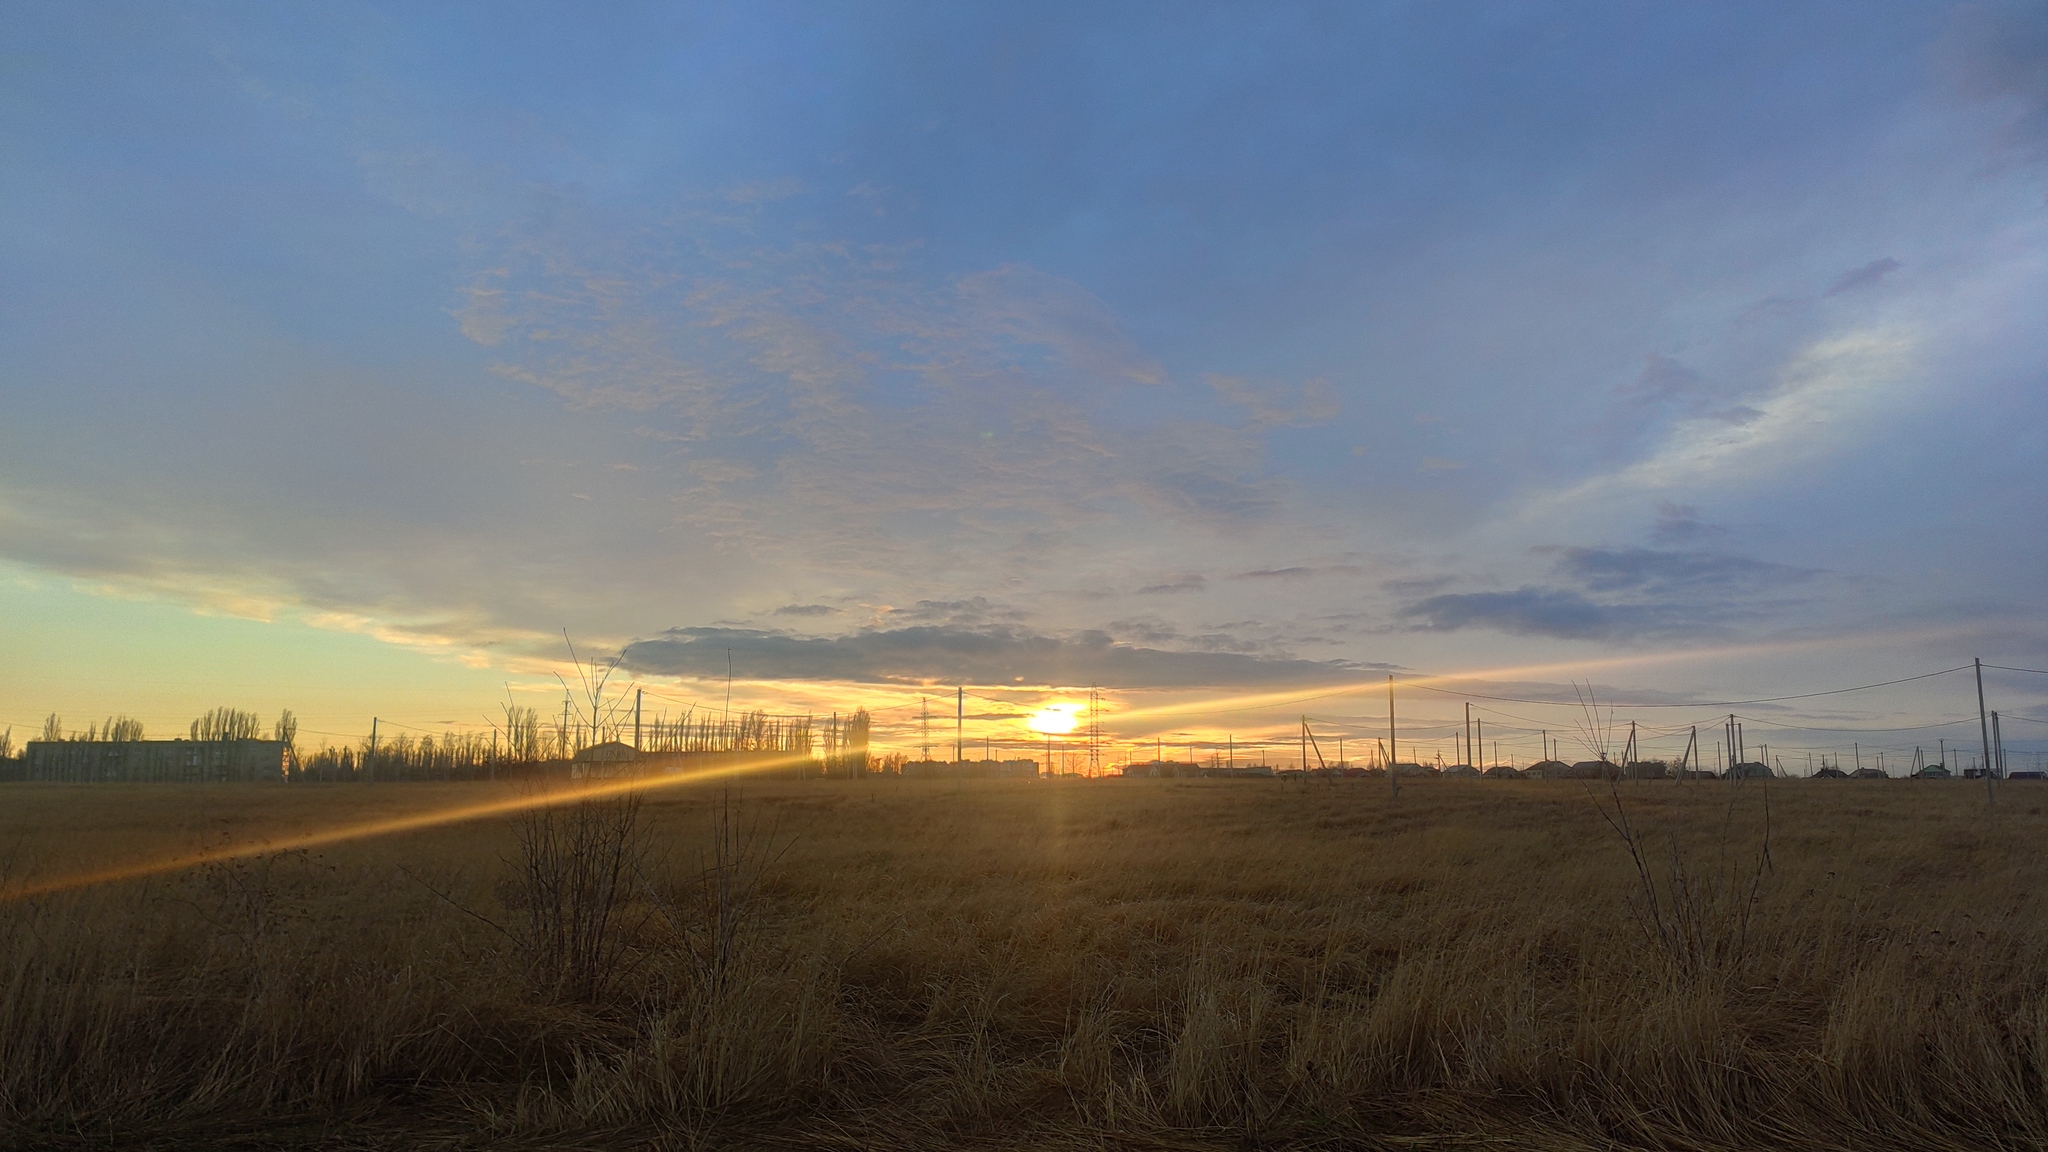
(1165, 768)
(1751, 770)
(972, 769)
(613, 758)
(156, 761)
(1548, 770)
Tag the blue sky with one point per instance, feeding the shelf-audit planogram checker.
(1162, 346)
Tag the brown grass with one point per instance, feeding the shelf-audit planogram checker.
(1144, 963)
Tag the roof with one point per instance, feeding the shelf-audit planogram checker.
(611, 751)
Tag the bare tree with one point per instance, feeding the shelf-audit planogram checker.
(594, 709)
(225, 723)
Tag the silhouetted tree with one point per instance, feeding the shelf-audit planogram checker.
(226, 723)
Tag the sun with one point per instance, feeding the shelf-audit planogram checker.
(1054, 719)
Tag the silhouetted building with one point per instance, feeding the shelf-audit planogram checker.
(156, 761)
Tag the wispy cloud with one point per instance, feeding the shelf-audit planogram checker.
(1866, 276)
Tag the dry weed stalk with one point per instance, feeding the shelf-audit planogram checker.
(1699, 918)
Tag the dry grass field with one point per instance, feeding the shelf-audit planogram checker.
(1145, 963)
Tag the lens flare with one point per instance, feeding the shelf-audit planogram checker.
(1055, 719)
(565, 793)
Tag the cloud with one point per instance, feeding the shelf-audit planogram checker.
(1192, 582)
(1681, 523)
(1864, 277)
(1294, 573)
(765, 191)
(975, 610)
(1621, 594)
(1664, 378)
(805, 610)
(1272, 404)
(1533, 612)
(1997, 53)
(1666, 384)
(1036, 310)
(1299, 572)
(1663, 573)
(942, 654)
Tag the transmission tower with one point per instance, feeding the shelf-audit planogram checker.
(925, 727)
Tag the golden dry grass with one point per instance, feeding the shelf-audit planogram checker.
(1143, 963)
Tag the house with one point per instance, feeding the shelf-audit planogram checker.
(613, 758)
(1751, 770)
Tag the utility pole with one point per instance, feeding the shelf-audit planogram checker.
(370, 769)
(636, 718)
(1393, 744)
(1997, 748)
(1482, 742)
(959, 723)
(1468, 734)
(1984, 728)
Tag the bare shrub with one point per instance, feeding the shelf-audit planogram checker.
(574, 880)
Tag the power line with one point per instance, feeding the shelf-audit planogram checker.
(1809, 728)
(1697, 703)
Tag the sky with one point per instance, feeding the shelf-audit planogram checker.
(1230, 358)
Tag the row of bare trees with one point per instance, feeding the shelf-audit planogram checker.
(223, 723)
